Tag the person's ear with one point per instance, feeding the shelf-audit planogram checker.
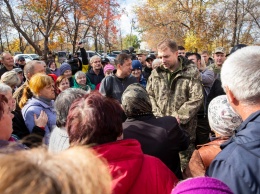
(231, 97)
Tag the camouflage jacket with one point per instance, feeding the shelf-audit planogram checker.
(215, 69)
(182, 96)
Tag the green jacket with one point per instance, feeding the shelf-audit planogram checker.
(179, 95)
(215, 69)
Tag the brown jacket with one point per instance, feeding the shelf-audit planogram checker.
(201, 158)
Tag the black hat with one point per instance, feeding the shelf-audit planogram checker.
(236, 47)
(150, 56)
(105, 60)
(21, 58)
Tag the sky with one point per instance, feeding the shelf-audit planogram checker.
(125, 20)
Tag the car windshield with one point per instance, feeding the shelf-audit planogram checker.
(35, 56)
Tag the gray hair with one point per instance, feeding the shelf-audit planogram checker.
(11, 79)
(4, 89)
(93, 58)
(241, 73)
(63, 102)
(29, 67)
(156, 63)
(79, 73)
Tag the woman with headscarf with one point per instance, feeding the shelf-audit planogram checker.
(160, 137)
(223, 121)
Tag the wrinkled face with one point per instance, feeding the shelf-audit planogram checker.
(11, 100)
(48, 92)
(168, 58)
(96, 64)
(8, 60)
(219, 59)
(181, 53)
(64, 84)
(126, 68)
(194, 59)
(81, 80)
(136, 73)
(149, 63)
(6, 127)
(68, 73)
(108, 72)
(205, 57)
(141, 58)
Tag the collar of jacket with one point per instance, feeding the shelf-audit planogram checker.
(242, 129)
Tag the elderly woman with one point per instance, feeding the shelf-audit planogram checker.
(82, 81)
(59, 139)
(53, 67)
(160, 137)
(223, 121)
(96, 120)
(42, 87)
(65, 69)
(11, 79)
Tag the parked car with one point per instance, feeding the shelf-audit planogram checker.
(92, 53)
(62, 56)
(27, 57)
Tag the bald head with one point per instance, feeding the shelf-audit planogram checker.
(7, 60)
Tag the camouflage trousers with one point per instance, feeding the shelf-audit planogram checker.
(186, 154)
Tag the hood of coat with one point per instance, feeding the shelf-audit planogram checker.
(125, 159)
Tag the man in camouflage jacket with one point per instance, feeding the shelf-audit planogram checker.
(175, 89)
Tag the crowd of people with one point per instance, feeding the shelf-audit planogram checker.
(170, 122)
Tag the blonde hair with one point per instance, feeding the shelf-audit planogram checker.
(36, 84)
(74, 171)
(11, 79)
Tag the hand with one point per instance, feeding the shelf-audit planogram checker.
(80, 45)
(42, 120)
(178, 119)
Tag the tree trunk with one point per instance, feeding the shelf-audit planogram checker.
(234, 36)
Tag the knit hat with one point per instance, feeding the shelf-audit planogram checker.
(136, 101)
(64, 67)
(222, 118)
(108, 67)
(198, 185)
(136, 65)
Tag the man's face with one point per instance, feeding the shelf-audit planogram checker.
(22, 62)
(219, 59)
(126, 68)
(194, 59)
(8, 60)
(181, 53)
(96, 64)
(38, 68)
(205, 56)
(141, 58)
(168, 58)
(149, 63)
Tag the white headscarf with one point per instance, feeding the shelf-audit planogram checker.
(222, 119)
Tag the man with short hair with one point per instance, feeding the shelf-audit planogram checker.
(207, 76)
(219, 58)
(113, 86)
(95, 74)
(175, 89)
(7, 61)
(31, 68)
(148, 68)
(141, 55)
(238, 164)
(181, 51)
(207, 59)
(20, 62)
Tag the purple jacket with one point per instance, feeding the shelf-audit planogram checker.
(34, 106)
